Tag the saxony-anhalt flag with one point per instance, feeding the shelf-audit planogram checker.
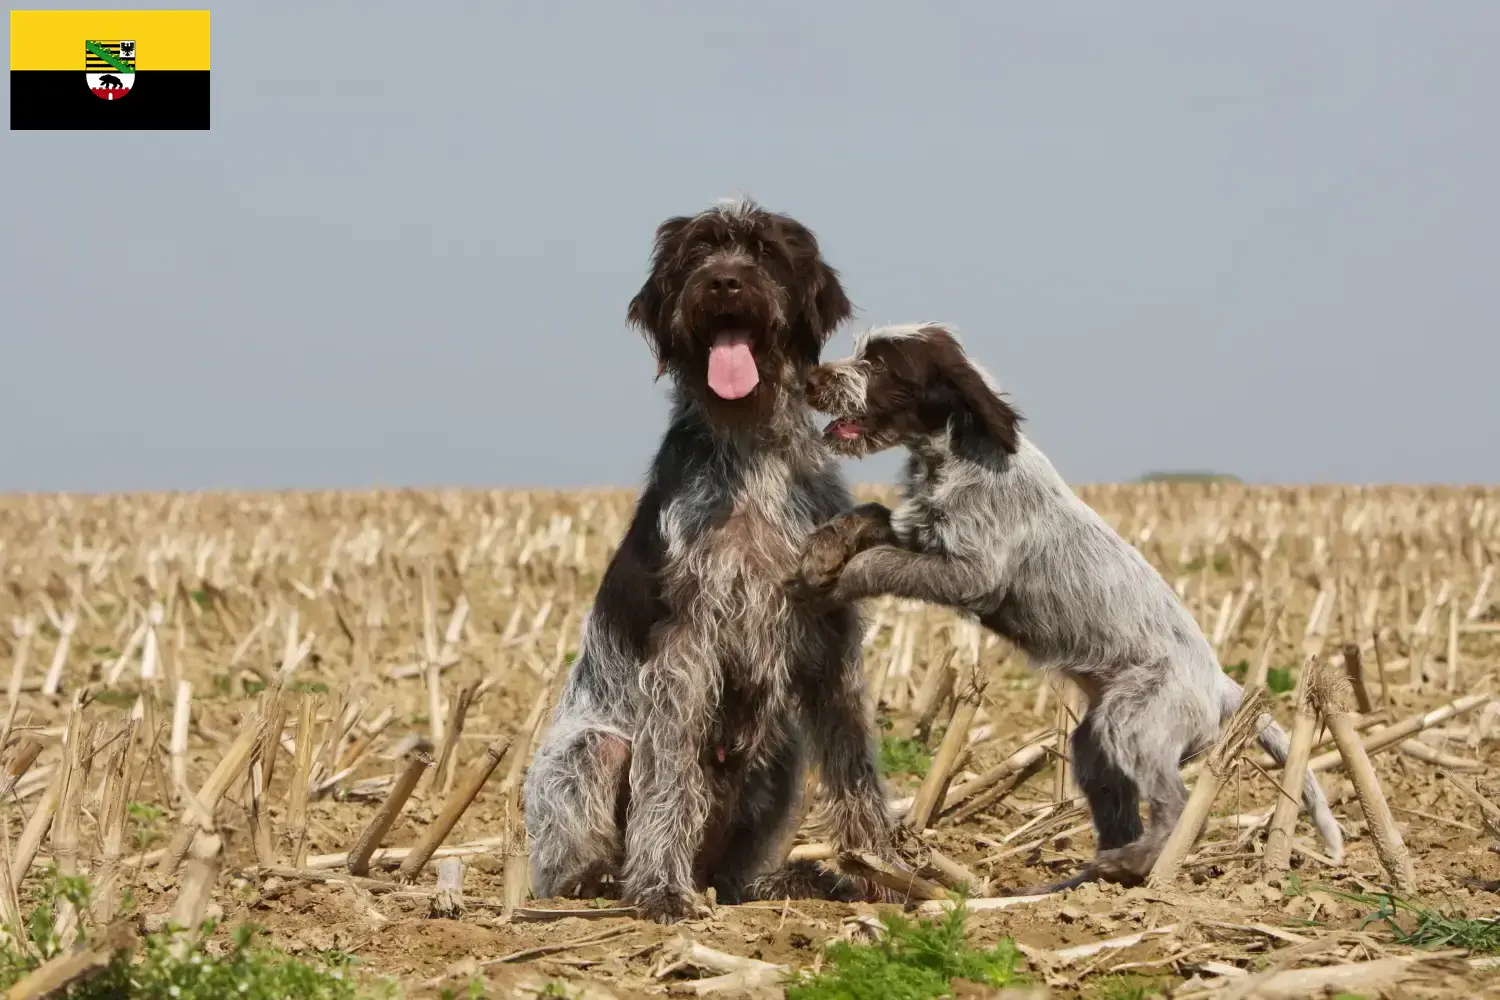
(109, 69)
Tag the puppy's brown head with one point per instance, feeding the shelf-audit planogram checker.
(907, 383)
(738, 305)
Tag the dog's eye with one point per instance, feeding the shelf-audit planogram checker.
(765, 251)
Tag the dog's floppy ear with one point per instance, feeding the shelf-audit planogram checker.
(830, 305)
(650, 310)
(998, 418)
(824, 306)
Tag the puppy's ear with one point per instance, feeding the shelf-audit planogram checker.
(650, 310)
(998, 418)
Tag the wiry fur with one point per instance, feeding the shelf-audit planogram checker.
(677, 752)
(986, 525)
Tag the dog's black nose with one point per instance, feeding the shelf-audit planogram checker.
(724, 284)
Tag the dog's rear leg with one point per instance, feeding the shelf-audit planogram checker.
(763, 809)
(1147, 750)
(1114, 801)
(576, 793)
(842, 741)
(853, 814)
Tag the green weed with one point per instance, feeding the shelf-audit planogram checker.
(1422, 926)
(903, 756)
(1281, 680)
(913, 961)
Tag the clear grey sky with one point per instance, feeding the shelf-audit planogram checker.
(1258, 238)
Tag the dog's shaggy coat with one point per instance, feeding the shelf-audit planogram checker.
(677, 752)
(987, 526)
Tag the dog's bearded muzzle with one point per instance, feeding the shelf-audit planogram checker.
(731, 318)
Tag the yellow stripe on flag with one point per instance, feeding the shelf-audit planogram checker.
(53, 39)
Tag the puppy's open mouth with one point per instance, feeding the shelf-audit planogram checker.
(731, 365)
(844, 430)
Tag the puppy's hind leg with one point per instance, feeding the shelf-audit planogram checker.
(1145, 738)
(1114, 800)
(577, 790)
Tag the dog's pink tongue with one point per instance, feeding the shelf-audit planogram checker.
(731, 367)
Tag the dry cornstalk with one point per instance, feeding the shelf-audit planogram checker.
(361, 745)
(1036, 750)
(17, 762)
(453, 808)
(391, 857)
(938, 907)
(908, 885)
(1241, 728)
(1062, 721)
(372, 885)
(946, 871)
(199, 814)
(816, 851)
(1426, 754)
(118, 771)
(969, 694)
(418, 760)
(902, 648)
(74, 774)
(1330, 980)
(937, 688)
(197, 888)
(449, 899)
(12, 924)
(263, 771)
(517, 873)
(1391, 735)
(1488, 811)
(24, 629)
(1354, 668)
(1262, 668)
(430, 656)
(1452, 646)
(181, 716)
(1330, 691)
(1480, 603)
(301, 779)
(52, 683)
(443, 774)
(740, 975)
(1025, 763)
(1278, 853)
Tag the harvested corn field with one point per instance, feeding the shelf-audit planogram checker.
(312, 713)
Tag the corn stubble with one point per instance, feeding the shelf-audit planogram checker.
(206, 686)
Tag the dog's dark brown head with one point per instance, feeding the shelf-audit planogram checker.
(905, 384)
(738, 305)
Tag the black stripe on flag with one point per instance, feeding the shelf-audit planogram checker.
(61, 99)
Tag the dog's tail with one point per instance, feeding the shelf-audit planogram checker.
(1274, 740)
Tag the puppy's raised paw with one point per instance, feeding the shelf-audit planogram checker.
(824, 556)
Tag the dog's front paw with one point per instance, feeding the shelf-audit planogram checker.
(824, 556)
(665, 905)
